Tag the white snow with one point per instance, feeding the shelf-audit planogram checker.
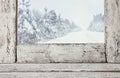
(79, 37)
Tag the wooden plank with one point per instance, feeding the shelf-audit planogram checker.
(112, 23)
(7, 31)
(61, 75)
(61, 53)
(59, 67)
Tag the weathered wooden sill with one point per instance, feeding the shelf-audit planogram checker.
(61, 67)
(87, 70)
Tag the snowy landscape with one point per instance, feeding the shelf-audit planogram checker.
(40, 21)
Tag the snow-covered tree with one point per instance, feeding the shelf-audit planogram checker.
(97, 25)
(26, 29)
(34, 26)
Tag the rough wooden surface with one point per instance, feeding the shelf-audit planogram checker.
(7, 31)
(104, 70)
(64, 53)
(60, 67)
(112, 23)
(61, 75)
(55, 53)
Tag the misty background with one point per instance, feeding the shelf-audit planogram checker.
(60, 21)
(79, 11)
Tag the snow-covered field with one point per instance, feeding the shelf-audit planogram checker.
(80, 37)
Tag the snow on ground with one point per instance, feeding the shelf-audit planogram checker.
(80, 37)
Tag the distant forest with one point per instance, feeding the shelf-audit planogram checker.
(34, 26)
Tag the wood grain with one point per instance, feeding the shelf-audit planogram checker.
(7, 31)
(61, 75)
(60, 67)
(112, 23)
(61, 53)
